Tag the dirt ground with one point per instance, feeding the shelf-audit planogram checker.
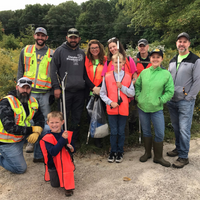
(96, 179)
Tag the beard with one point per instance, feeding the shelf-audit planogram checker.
(182, 51)
(72, 44)
(23, 97)
(42, 44)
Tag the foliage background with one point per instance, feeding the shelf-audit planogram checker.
(159, 21)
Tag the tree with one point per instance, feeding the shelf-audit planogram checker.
(4, 18)
(96, 20)
(59, 19)
(34, 15)
(169, 17)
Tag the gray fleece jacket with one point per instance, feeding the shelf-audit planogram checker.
(186, 78)
(72, 61)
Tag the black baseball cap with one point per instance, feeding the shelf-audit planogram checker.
(72, 32)
(142, 41)
(183, 34)
(157, 51)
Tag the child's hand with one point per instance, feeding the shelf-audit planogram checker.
(119, 85)
(65, 135)
(114, 104)
(70, 147)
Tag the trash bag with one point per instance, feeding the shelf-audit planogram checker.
(98, 124)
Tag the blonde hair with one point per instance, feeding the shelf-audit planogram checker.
(121, 56)
(54, 114)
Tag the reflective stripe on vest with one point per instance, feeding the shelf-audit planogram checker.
(62, 161)
(20, 118)
(125, 67)
(140, 66)
(39, 74)
(112, 93)
(96, 78)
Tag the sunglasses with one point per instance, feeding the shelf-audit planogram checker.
(114, 38)
(25, 81)
(73, 32)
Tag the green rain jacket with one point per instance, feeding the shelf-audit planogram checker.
(153, 88)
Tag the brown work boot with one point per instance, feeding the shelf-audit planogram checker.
(158, 154)
(69, 193)
(181, 162)
(148, 147)
(173, 153)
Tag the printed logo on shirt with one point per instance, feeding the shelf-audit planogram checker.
(39, 58)
(75, 59)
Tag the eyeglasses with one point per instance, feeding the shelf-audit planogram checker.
(114, 38)
(73, 32)
(94, 48)
(25, 81)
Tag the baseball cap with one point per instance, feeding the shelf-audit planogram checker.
(183, 34)
(142, 41)
(24, 81)
(157, 51)
(41, 30)
(72, 32)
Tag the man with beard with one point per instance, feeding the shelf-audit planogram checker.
(35, 63)
(185, 71)
(69, 58)
(17, 109)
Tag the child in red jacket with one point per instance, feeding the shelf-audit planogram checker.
(56, 149)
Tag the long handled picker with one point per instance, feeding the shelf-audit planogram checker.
(119, 98)
(63, 95)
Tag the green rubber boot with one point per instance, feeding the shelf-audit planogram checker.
(158, 154)
(148, 147)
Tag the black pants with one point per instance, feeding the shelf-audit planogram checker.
(74, 102)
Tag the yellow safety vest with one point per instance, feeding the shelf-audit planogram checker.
(20, 118)
(39, 74)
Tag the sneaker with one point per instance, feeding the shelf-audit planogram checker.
(173, 153)
(29, 148)
(112, 157)
(69, 193)
(180, 162)
(119, 158)
(35, 160)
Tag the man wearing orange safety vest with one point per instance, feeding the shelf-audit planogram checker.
(142, 61)
(34, 63)
(142, 57)
(17, 109)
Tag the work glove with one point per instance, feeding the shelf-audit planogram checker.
(37, 129)
(96, 90)
(32, 138)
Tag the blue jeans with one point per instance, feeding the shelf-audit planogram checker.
(43, 100)
(117, 125)
(181, 114)
(37, 151)
(158, 121)
(12, 157)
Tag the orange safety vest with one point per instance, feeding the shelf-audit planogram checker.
(112, 92)
(125, 67)
(96, 78)
(63, 163)
(140, 67)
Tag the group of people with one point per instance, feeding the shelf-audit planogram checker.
(25, 113)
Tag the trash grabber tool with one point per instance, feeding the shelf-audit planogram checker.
(63, 95)
(119, 98)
